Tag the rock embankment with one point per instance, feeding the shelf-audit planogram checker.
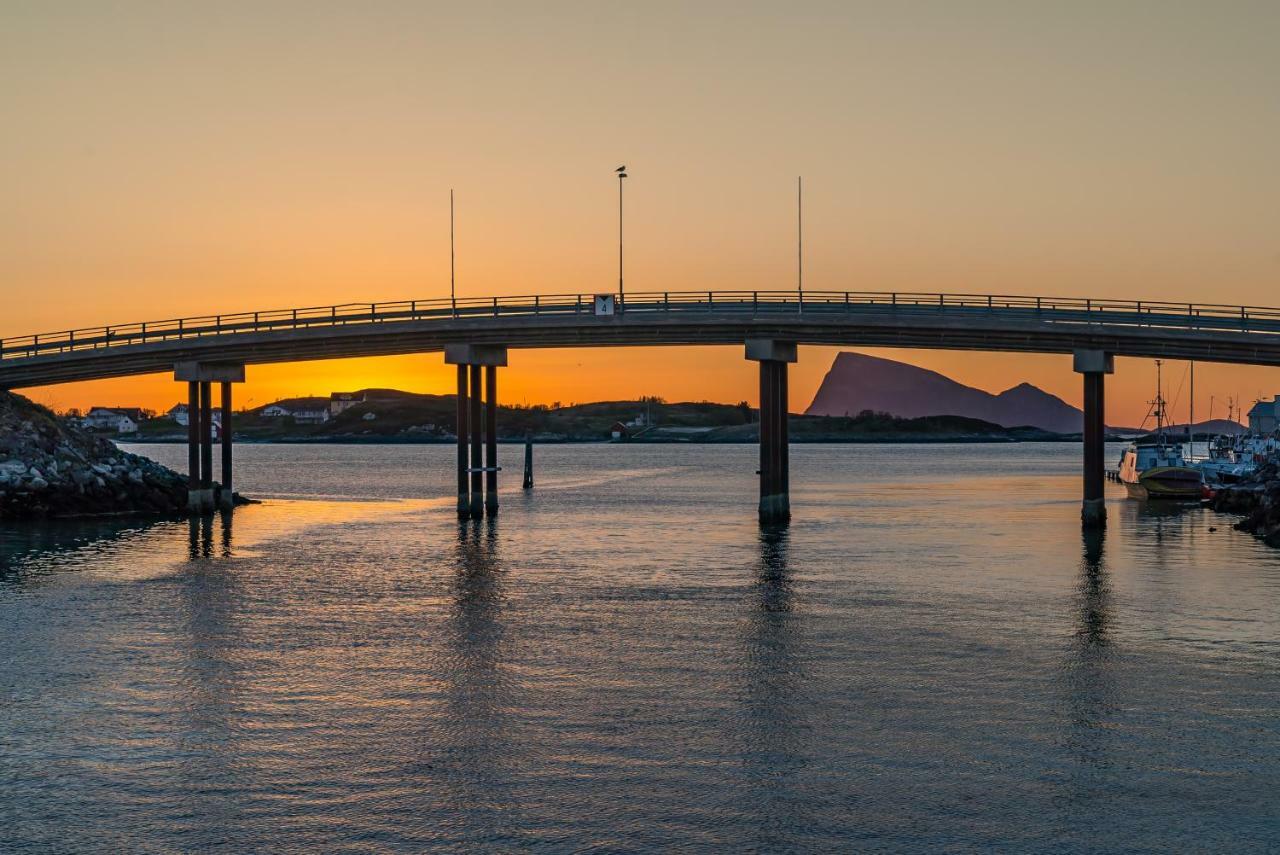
(1258, 500)
(49, 468)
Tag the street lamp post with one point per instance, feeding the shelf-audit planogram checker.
(622, 173)
(453, 297)
(800, 242)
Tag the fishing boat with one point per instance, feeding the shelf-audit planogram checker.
(1234, 458)
(1153, 467)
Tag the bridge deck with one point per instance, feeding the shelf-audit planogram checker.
(1218, 333)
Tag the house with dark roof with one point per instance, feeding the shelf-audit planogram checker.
(1264, 417)
(309, 410)
(114, 419)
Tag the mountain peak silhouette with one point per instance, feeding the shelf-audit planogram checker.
(857, 382)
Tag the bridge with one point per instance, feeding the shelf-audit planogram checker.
(475, 334)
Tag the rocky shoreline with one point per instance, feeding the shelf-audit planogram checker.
(49, 468)
(1257, 499)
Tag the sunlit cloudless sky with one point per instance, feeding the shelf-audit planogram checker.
(162, 160)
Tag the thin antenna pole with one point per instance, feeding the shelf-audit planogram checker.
(453, 297)
(621, 293)
(1191, 417)
(800, 240)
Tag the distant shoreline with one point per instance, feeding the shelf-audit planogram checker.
(888, 440)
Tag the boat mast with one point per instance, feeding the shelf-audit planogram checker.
(1159, 402)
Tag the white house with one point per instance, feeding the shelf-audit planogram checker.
(178, 412)
(1265, 417)
(340, 402)
(115, 419)
(301, 410)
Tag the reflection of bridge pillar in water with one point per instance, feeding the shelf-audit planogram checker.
(477, 421)
(200, 537)
(775, 477)
(1089, 678)
(1094, 365)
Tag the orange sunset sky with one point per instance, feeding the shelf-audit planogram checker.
(162, 160)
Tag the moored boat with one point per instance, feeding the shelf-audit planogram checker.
(1157, 471)
(1234, 458)
(1153, 467)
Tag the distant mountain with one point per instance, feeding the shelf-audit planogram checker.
(858, 382)
(1208, 428)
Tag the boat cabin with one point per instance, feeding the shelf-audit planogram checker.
(1152, 454)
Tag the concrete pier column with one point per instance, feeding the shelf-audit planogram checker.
(206, 442)
(477, 465)
(200, 377)
(782, 437)
(464, 491)
(228, 494)
(1094, 365)
(491, 439)
(470, 358)
(193, 447)
(775, 478)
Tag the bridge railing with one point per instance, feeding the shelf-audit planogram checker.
(1057, 310)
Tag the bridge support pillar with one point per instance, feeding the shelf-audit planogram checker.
(206, 447)
(1094, 365)
(477, 430)
(478, 422)
(491, 440)
(202, 494)
(226, 498)
(775, 477)
(193, 448)
(464, 422)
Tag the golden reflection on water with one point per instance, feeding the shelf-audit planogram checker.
(923, 649)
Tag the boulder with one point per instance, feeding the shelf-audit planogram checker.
(52, 468)
(1257, 499)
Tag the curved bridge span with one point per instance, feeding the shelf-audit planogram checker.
(1218, 333)
(475, 335)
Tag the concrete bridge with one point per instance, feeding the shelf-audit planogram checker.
(476, 333)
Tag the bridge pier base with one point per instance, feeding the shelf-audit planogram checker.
(775, 477)
(1094, 365)
(478, 459)
(202, 496)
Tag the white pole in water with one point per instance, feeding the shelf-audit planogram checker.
(1191, 416)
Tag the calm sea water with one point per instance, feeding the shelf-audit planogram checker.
(930, 657)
